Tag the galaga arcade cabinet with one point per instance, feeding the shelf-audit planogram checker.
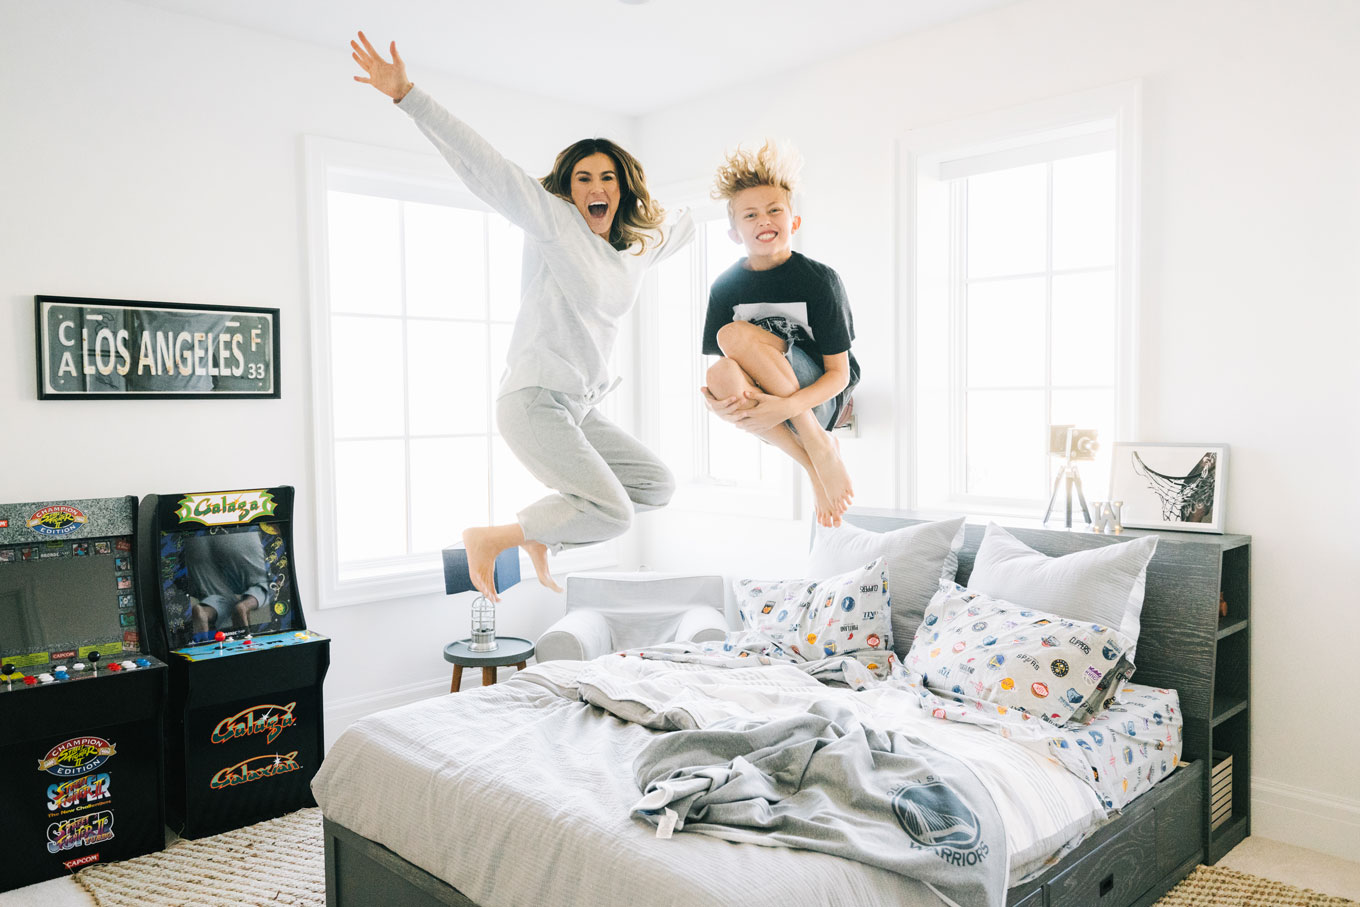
(243, 735)
(81, 703)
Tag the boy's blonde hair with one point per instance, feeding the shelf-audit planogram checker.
(747, 169)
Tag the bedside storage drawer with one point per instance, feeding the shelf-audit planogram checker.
(1115, 874)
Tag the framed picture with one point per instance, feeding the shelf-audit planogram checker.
(91, 349)
(1170, 486)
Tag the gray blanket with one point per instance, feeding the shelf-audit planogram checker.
(822, 781)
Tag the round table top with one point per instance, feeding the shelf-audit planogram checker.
(509, 650)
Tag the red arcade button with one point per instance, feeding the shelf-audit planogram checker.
(29, 680)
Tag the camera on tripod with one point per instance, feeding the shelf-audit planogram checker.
(1074, 445)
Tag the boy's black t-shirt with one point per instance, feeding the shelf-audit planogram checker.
(801, 300)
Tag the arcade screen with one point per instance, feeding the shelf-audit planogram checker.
(228, 578)
(59, 595)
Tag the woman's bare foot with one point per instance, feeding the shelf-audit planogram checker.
(484, 544)
(538, 554)
(826, 459)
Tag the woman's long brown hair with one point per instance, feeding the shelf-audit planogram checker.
(638, 214)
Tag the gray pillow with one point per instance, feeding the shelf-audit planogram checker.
(919, 558)
(1103, 585)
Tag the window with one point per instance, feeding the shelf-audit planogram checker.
(1022, 284)
(416, 289)
(718, 467)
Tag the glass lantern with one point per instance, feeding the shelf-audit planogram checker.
(483, 626)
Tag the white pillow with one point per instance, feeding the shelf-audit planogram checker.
(1103, 585)
(919, 558)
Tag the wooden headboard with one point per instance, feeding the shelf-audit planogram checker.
(1180, 618)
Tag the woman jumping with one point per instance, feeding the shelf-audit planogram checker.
(591, 232)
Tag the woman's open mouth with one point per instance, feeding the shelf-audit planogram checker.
(598, 209)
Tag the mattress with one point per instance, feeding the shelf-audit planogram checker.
(514, 790)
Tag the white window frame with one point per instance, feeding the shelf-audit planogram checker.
(778, 497)
(410, 176)
(922, 156)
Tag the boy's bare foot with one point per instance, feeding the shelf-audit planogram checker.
(825, 510)
(484, 544)
(538, 553)
(826, 459)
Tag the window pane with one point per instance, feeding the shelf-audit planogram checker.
(365, 254)
(446, 367)
(448, 490)
(1083, 329)
(505, 250)
(445, 262)
(1006, 333)
(1083, 211)
(1007, 211)
(679, 375)
(513, 488)
(370, 500)
(719, 250)
(500, 345)
(366, 377)
(733, 454)
(1007, 444)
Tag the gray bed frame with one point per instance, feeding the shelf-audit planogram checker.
(1129, 862)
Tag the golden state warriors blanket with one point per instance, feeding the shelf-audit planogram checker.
(822, 781)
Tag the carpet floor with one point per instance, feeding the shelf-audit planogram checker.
(283, 862)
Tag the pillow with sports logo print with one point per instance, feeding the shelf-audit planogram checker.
(971, 645)
(808, 620)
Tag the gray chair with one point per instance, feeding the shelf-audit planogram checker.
(609, 612)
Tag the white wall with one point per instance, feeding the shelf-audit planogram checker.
(1250, 279)
(153, 156)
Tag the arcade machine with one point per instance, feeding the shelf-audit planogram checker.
(243, 734)
(81, 702)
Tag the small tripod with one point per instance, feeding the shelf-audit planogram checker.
(1073, 478)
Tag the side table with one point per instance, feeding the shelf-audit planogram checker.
(510, 650)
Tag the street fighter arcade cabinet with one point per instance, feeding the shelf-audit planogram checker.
(243, 728)
(81, 703)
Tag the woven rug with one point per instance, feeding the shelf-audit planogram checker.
(1219, 886)
(279, 862)
(283, 862)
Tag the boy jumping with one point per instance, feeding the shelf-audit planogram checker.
(782, 324)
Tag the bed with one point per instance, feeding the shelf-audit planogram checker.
(407, 821)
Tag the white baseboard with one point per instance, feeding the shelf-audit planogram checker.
(1305, 818)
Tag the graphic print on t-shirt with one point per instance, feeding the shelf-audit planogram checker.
(795, 312)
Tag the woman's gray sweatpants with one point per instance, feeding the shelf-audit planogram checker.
(602, 473)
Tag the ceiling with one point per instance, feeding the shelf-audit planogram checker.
(625, 56)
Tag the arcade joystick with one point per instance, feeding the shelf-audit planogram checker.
(8, 670)
(94, 663)
(219, 636)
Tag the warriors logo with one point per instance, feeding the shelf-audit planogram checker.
(934, 817)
